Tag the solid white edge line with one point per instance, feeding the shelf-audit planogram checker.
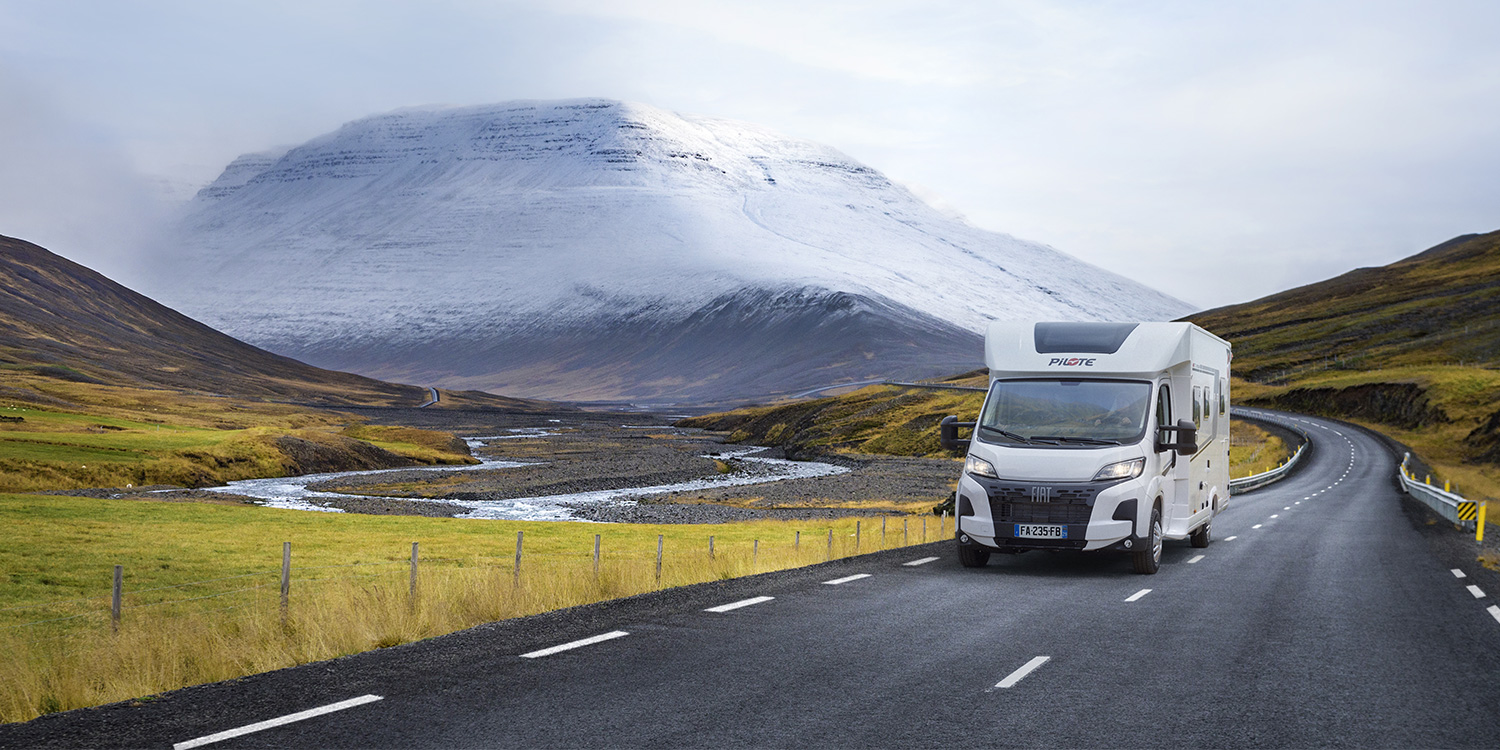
(1137, 595)
(269, 723)
(846, 579)
(1459, 573)
(1196, 559)
(1494, 611)
(576, 644)
(740, 603)
(1477, 592)
(1020, 674)
(922, 561)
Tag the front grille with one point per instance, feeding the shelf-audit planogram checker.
(1059, 494)
(1040, 512)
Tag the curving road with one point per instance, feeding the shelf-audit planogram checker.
(1319, 616)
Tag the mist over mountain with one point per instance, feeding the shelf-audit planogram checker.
(594, 249)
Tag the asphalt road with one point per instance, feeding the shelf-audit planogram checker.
(1319, 616)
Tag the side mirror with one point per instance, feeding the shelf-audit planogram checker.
(1186, 434)
(948, 433)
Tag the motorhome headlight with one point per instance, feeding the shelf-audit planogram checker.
(1122, 470)
(980, 467)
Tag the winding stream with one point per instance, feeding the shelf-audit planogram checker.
(294, 492)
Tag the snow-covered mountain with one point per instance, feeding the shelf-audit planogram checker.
(595, 249)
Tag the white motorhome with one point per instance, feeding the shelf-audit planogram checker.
(1095, 436)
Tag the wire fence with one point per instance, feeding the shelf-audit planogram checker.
(658, 563)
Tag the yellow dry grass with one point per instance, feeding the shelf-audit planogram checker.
(202, 584)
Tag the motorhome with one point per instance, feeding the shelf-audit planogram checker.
(1095, 436)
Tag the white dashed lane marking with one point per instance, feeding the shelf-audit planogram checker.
(1494, 612)
(742, 603)
(922, 561)
(1020, 674)
(1256, 526)
(279, 721)
(1477, 592)
(1230, 538)
(846, 579)
(1137, 595)
(1196, 559)
(569, 646)
(1459, 573)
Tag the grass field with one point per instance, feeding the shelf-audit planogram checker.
(202, 584)
(66, 435)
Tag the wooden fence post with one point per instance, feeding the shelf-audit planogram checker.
(413, 595)
(286, 578)
(516, 574)
(114, 609)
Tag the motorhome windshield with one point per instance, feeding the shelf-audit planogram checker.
(1066, 412)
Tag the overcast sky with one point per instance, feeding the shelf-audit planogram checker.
(1218, 151)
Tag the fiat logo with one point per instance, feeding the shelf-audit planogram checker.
(1041, 494)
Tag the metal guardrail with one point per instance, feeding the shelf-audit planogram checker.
(1256, 481)
(1455, 508)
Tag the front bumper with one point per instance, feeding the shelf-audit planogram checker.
(1097, 515)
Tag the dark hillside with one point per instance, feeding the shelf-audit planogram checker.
(62, 320)
(1441, 306)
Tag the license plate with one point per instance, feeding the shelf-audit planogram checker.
(1041, 531)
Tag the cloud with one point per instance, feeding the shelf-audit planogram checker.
(67, 188)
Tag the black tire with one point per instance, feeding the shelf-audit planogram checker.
(1203, 536)
(972, 556)
(1148, 560)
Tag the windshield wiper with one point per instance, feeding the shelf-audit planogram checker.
(1084, 440)
(1003, 433)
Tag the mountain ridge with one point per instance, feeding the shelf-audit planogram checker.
(498, 223)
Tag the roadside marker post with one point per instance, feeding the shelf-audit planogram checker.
(596, 555)
(1479, 525)
(830, 544)
(797, 541)
(710, 546)
(856, 536)
(754, 553)
(882, 532)
(658, 557)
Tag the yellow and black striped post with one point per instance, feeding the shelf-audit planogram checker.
(1468, 510)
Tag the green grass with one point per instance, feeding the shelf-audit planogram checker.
(876, 419)
(201, 584)
(76, 435)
